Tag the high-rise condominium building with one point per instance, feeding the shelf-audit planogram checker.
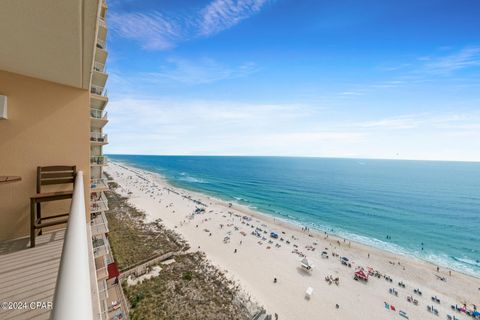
(55, 259)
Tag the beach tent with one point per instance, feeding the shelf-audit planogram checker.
(360, 274)
(306, 264)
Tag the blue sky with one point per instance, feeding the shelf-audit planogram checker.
(367, 79)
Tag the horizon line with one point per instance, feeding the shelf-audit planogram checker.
(285, 156)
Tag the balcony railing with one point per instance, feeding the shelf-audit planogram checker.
(98, 137)
(98, 114)
(101, 268)
(101, 22)
(98, 203)
(99, 225)
(98, 184)
(102, 290)
(101, 246)
(98, 160)
(100, 67)
(73, 299)
(97, 90)
(101, 44)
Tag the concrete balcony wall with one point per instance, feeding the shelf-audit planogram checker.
(49, 124)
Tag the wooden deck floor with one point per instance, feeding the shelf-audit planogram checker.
(29, 274)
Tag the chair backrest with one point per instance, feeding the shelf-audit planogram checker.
(55, 175)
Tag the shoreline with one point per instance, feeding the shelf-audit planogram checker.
(297, 226)
(416, 271)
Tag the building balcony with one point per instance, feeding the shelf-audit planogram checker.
(99, 226)
(101, 44)
(98, 114)
(99, 67)
(101, 22)
(97, 185)
(98, 118)
(101, 56)
(116, 302)
(98, 90)
(98, 138)
(98, 102)
(103, 292)
(98, 161)
(101, 268)
(58, 271)
(102, 35)
(101, 246)
(99, 80)
(98, 202)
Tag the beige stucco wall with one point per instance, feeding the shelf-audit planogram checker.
(48, 124)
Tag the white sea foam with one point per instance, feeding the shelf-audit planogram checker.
(190, 179)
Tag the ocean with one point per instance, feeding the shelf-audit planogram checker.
(428, 209)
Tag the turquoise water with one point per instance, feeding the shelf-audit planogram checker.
(414, 202)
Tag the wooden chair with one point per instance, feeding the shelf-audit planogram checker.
(53, 175)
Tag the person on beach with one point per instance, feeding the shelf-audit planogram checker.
(274, 280)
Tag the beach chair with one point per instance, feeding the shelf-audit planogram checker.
(51, 175)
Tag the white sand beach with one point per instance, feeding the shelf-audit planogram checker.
(224, 233)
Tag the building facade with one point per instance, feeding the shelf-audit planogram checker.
(53, 112)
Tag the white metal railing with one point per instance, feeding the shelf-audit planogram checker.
(100, 43)
(101, 267)
(98, 203)
(100, 67)
(98, 184)
(101, 246)
(96, 89)
(98, 114)
(101, 21)
(102, 289)
(98, 137)
(101, 251)
(99, 160)
(99, 225)
(73, 297)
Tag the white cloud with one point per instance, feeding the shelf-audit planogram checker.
(158, 31)
(201, 127)
(427, 69)
(165, 126)
(459, 121)
(465, 58)
(223, 14)
(200, 71)
(152, 30)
